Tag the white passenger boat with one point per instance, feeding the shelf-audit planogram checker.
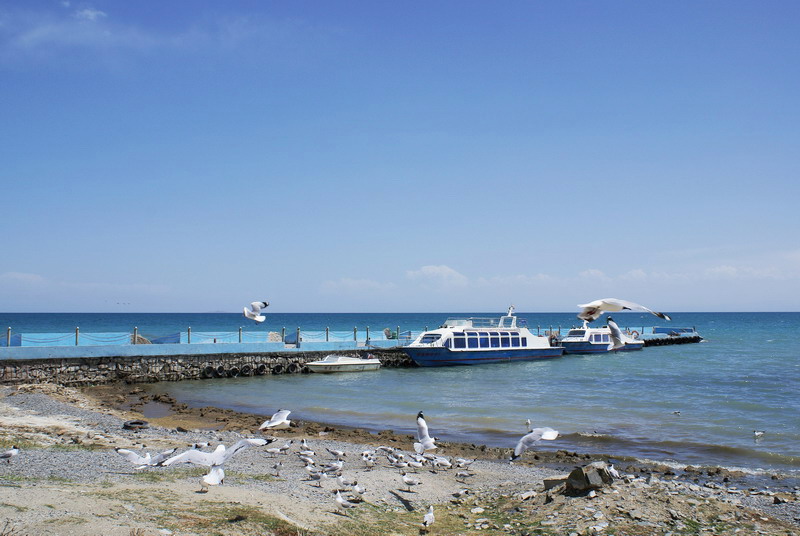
(589, 340)
(344, 363)
(476, 341)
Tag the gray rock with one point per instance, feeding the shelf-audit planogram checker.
(589, 477)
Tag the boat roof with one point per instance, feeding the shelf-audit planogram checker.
(508, 320)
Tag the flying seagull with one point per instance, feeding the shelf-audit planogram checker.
(529, 440)
(278, 421)
(424, 438)
(616, 334)
(593, 310)
(146, 460)
(254, 313)
(216, 458)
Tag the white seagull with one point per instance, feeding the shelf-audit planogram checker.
(254, 313)
(593, 310)
(343, 503)
(424, 438)
(278, 421)
(146, 460)
(616, 334)
(216, 458)
(409, 481)
(10, 453)
(429, 518)
(214, 478)
(529, 440)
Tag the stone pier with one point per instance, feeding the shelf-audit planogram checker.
(75, 371)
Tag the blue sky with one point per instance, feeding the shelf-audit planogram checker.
(384, 156)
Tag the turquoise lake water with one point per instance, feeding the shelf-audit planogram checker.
(744, 377)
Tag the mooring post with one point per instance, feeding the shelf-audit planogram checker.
(189, 335)
(355, 330)
(77, 332)
(327, 332)
(135, 334)
(8, 336)
(240, 334)
(397, 334)
(367, 334)
(283, 335)
(297, 340)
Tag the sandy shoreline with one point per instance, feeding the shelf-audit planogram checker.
(68, 480)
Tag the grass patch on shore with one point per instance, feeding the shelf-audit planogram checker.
(14, 506)
(169, 476)
(6, 442)
(221, 519)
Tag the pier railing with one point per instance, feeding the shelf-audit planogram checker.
(297, 337)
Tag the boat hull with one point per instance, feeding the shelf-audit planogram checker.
(594, 348)
(343, 368)
(442, 357)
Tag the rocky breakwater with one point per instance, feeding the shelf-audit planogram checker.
(147, 369)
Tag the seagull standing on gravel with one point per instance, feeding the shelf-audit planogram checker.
(529, 440)
(10, 453)
(409, 481)
(593, 310)
(254, 313)
(342, 503)
(338, 454)
(278, 421)
(425, 441)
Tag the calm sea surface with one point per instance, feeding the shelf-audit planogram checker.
(744, 377)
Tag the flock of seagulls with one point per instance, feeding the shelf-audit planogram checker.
(348, 493)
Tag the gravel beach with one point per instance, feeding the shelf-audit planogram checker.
(68, 479)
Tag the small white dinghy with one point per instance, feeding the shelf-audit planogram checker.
(344, 363)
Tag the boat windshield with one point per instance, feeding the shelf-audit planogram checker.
(430, 338)
(576, 333)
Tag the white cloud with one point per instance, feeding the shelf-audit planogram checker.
(90, 14)
(20, 277)
(634, 275)
(595, 274)
(439, 274)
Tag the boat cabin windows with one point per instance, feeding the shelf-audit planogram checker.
(576, 333)
(600, 337)
(459, 340)
(430, 338)
(488, 339)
